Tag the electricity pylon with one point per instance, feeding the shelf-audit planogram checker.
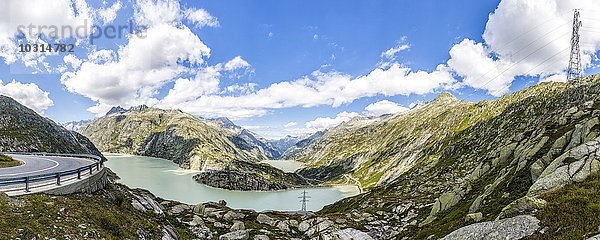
(575, 69)
(304, 200)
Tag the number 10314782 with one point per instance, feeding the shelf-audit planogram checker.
(46, 47)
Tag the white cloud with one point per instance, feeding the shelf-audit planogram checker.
(134, 77)
(57, 13)
(72, 60)
(290, 124)
(236, 63)
(201, 18)
(156, 12)
(327, 122)
(390, 53)
(525, 38)
(108, 15)
(206, 81)
(383, 107)
(332, 88)
(471, 60)
(28, 94)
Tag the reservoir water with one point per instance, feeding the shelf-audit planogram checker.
(166, 180)
(284, 165)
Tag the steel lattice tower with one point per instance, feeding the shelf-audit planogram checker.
(575, 69)
(304, 200)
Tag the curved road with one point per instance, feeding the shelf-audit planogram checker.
(36, 165)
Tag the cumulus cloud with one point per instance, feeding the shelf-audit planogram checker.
(319, 88)
(323, 123)
(28, 94)
(134, 77)
(15, 13)
(383, 107)
(201, 18)
(290, 124)
(236, 63)
(155, 12)
(525, 38)
(109, 14)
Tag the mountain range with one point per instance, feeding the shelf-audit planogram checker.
(525, 165)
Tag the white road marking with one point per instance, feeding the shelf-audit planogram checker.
(40, 170)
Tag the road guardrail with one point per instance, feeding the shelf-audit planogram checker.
(57, 175)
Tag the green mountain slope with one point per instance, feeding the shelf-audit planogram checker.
(472, 162)
(23, 130)
(190, 141)
(217, 147)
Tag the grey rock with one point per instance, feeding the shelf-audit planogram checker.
(237, 225)
(196, 221)
(524, 205)
(261, 237)
(572, 166)
(144, 202)
(237, 235)
(232, 215)
(508, 228)
(351, 233)
(474, 217)
(264, 219)
(198, 208)
(305, 225)
(283, 226)
(445, 201)
(220, 225)
(178, 209)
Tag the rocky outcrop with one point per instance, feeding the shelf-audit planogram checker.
(23, 130)
(238, 180)
(573, 166)
(524, 205)
(509, 228)
(285, 143)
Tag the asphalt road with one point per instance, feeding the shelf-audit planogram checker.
(37, 165)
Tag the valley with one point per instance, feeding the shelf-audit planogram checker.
(439, 170)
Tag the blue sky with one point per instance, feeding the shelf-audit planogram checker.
(289, 67)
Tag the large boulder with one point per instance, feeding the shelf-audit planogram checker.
(508, 228)
(572, 166)
(524, 205)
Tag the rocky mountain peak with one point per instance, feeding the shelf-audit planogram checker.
(117, 109)
(228, 124)
(444, 97)
(139, 108)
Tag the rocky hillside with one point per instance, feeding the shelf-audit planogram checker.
(376, 150)
(23, 130)
(74, 125)
(256, 141)
(118, 212)
(190, 141)
(504, 163)
(285, 143)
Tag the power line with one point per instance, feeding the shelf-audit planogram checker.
(515, 63)
(542, 63)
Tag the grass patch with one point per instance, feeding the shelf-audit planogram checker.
(573, 212)
(7, 161)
